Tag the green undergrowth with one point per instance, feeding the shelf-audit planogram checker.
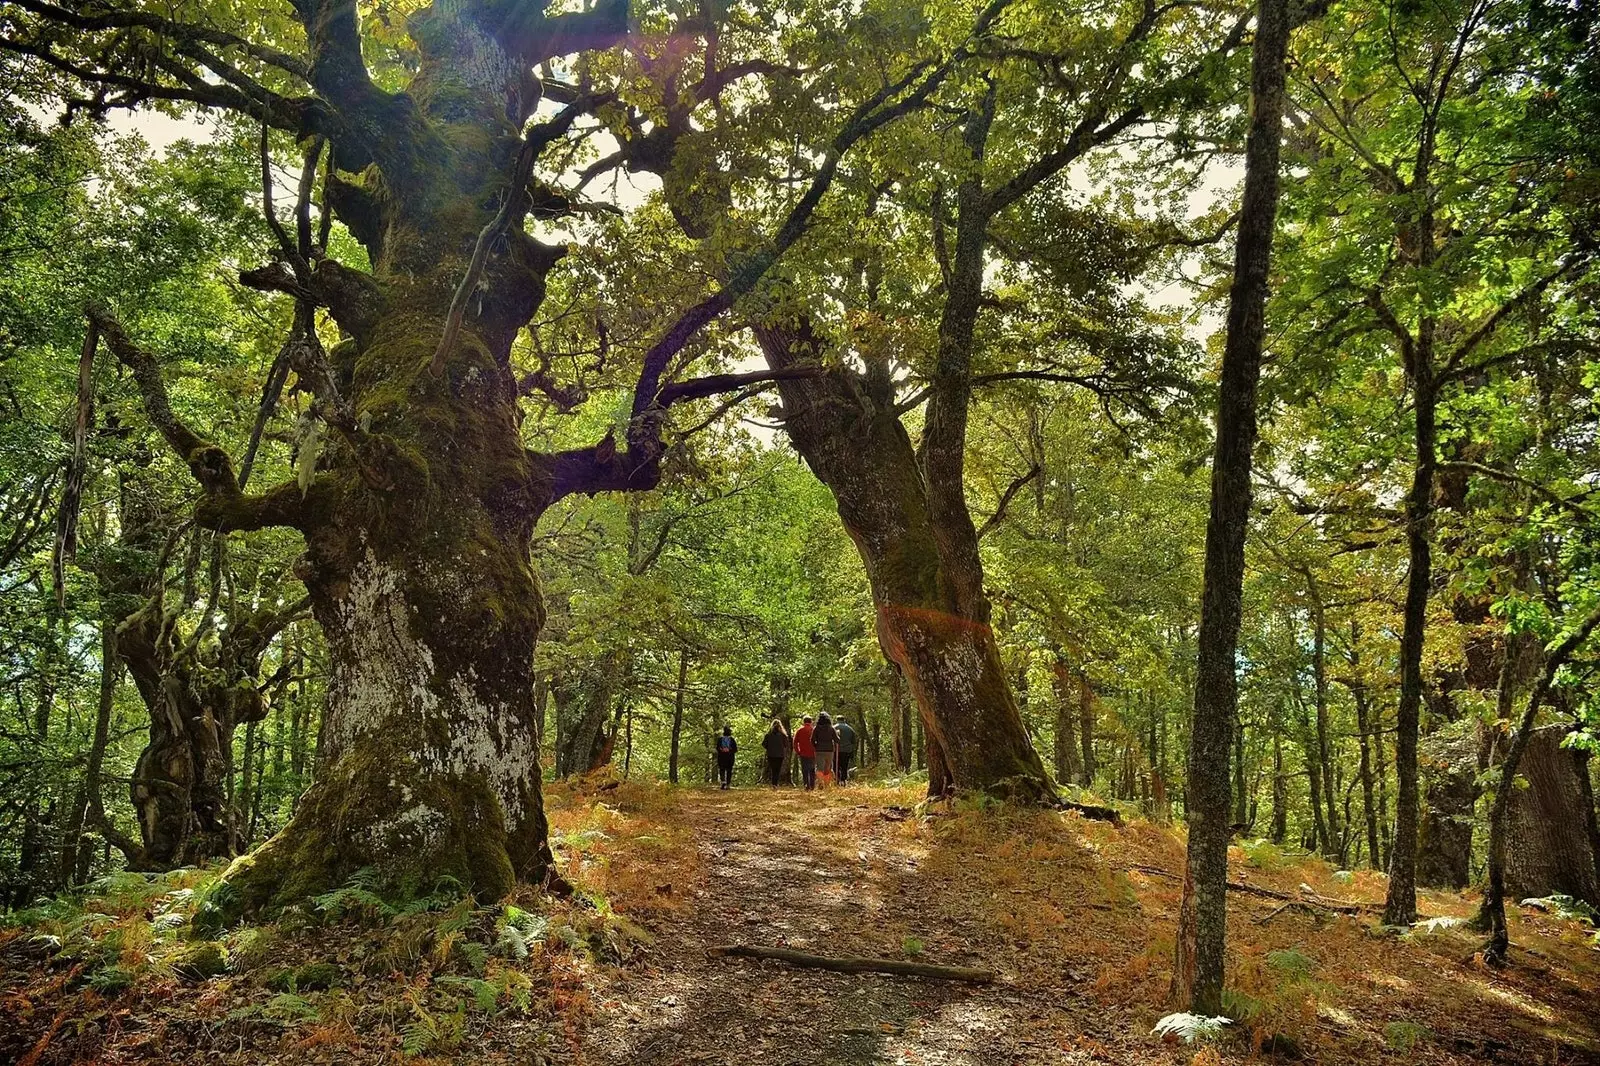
(414, 973)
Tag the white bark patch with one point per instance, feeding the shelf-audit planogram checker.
(416, 829)
(481, 63)
(384, 687)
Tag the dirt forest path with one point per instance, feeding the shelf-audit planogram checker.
(827, 876)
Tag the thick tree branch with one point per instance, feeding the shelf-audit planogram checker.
(167, 28)
(224, 506)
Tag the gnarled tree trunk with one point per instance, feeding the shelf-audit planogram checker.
(932, 619)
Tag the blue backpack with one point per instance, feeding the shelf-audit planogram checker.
(724, 745)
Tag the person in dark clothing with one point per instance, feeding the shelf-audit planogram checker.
(776, 744)
(806, 752)
(826, 740)
(847, 748)
(727, 747)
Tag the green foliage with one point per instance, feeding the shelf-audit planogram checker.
(1295, 965)
(1565, 906)
(1404, 1036)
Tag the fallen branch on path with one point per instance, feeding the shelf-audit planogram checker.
(856, 964)
(1307, 897)
(1092, 810)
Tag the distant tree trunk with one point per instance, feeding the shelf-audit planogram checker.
(1380, 759)
(541, 705)
(627, 751)
(93, 809)
(780, 686)
(246, 792)
(677, 714)
(900, 711)
(1086, 727)
(1453, 754)
(919, 743)
(1069, 767)
(1202, 926)
(1241, 791)
(939, 781)
(1280, 792)
(583, 707)
(1358, 693)
(1308, 744)
(1333, 845)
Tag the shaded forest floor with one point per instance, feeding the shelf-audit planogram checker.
(1076, 917)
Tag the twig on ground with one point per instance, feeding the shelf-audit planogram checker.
(855, 964)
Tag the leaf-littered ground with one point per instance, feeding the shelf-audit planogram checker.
(1077, 918)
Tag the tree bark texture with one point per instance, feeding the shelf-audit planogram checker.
(933, 620)
(1549, 848)
(1451, 756)
(1198, 968)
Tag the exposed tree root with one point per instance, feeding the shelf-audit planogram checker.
(856, 964)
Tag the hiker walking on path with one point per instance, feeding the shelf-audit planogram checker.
(806, 751)
(826, 740)
(726, 748)
(776, 744)
(847, 748)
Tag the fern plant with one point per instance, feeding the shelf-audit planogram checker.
(1190, 1028)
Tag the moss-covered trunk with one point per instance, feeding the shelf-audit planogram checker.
(419, 518)
(431, 754)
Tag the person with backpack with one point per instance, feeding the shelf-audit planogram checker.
(847, 748)
(726, 748)
(806, 752)
(776, 744)
(826, 740)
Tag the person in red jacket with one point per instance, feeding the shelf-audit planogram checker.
(807, 753)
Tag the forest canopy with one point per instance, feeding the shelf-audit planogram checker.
(1173, 412)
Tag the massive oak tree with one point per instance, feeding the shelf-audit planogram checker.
(418, 508)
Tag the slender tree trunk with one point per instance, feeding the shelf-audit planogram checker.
(900, 711)
(93, 805)
(1280, 792)
(1314, 777)
(627, 751)
(1241, 796)
(677, 714)
(1068, 766)
(1202, 928)
(247, 781)
(1333, 845)
(779, 685)
(541, 706)
(1369, 809)
(1086, 728)
(1400, 905)
(919, 743)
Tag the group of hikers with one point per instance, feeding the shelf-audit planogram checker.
(825, 751)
